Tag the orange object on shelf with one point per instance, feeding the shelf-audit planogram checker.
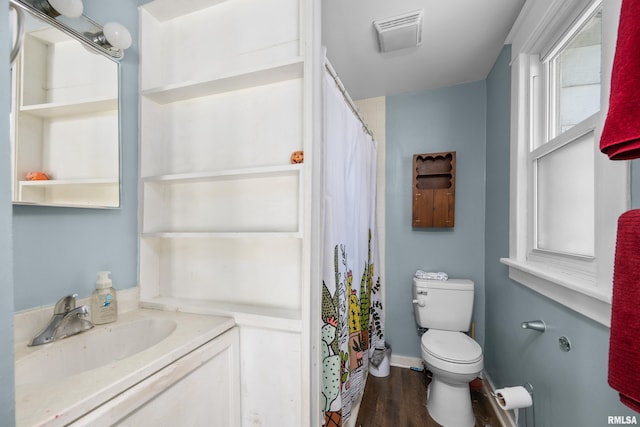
(37, 176)
(297, 157)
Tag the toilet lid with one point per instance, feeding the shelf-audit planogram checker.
(451, 346)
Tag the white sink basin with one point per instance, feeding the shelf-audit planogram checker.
(92, 349)
(60, 382)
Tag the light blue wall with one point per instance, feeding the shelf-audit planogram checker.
(48, 252)
(57, 251)
(635, 189)
(450, 119)
(7, 411)
(571, 388)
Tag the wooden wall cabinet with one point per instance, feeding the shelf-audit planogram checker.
(434, 189)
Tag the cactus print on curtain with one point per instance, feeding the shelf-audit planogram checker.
(352, 315)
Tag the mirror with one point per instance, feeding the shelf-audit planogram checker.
(65, 122)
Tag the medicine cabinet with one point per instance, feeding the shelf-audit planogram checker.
(434, 189)
(65, 122)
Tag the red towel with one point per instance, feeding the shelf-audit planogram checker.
(624, 344)
(621, 134)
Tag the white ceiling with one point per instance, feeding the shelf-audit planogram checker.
(461, 40)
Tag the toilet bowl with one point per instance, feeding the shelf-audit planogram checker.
(454, 359)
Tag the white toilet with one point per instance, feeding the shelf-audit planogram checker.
(455, 359)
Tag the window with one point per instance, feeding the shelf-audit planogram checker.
(566, 196)
(574, 70)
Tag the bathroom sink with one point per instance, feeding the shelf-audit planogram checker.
(97, 347)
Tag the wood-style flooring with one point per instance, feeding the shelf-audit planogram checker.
(400, 400)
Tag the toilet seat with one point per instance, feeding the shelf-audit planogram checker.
(448, 346)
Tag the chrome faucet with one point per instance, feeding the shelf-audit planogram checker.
(536, 325)
(67, 320)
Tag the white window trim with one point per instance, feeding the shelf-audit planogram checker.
(538, 24)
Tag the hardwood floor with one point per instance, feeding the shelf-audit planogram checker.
(399, 400)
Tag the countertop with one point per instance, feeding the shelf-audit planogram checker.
(62, 401)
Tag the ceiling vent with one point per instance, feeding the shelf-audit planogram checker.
(399, 32)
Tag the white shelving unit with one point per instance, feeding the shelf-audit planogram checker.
(80, 108)
(237, 80)
(66, 122)
(89, 192)
(225, 217)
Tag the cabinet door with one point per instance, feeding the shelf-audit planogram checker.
(422, 208)
(199, 389)
(442, 208)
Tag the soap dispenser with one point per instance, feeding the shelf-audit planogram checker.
(104, 305)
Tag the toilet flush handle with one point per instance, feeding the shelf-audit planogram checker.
(420, 303)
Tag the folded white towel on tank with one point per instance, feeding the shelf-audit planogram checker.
(431, 275)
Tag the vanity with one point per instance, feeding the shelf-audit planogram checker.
(203, 133)
(145, 369)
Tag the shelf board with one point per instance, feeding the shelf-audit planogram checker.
(447, 173)
(223, 234)
(63, 109)
(228, 174)
(281, 319)
(165, 10)
(61, 182)
(243, 79)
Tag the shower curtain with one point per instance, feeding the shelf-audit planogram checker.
(352, 323)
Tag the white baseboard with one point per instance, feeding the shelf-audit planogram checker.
(505, 417)
(406, 362)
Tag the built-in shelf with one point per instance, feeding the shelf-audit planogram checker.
(246, 78)
(256, 202)
(281, 319)
(61, 182)
(224, 235)
(257, 172)
(88, 192)
(62, 109)
(223, 214)
(165, 10)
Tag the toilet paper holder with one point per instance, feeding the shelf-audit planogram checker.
(529, 388)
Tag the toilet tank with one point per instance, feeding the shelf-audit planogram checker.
(443, 304)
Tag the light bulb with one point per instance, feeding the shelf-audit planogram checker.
(117, 35)
(68, 8)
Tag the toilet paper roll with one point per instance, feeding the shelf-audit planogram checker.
(513, 398)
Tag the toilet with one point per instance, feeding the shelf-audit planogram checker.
(454, 358)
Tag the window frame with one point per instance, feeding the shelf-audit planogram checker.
(575, 262)
(580, 283)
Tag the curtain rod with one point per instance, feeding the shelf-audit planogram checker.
(345, 94)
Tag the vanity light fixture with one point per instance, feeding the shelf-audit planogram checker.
(19, 33)
(54, 8)
(113, 34)
(111, 40)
